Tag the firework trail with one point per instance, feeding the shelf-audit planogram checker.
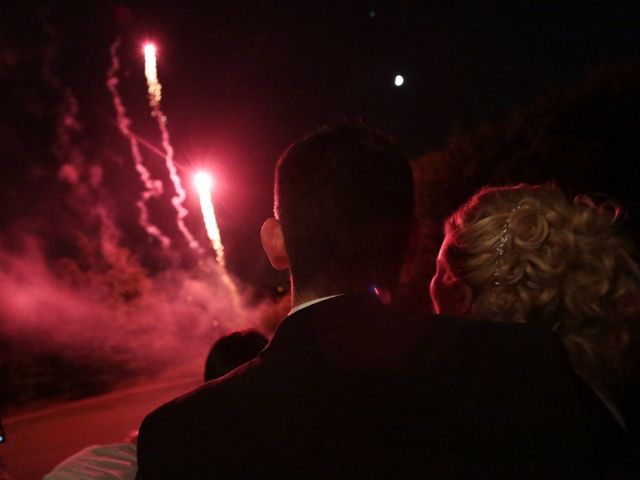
(152, 188)
(203, 183)
(155, 95)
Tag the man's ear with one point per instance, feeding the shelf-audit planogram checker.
(273, 244)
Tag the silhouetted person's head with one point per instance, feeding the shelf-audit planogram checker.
(343, 211)
(231, 351)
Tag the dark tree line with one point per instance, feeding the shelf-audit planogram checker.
(586, 139)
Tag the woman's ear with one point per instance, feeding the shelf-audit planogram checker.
(466, 299)
(273, 244)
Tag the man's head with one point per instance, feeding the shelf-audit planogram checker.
(343, 211)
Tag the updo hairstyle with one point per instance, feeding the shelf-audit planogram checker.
(530, 255)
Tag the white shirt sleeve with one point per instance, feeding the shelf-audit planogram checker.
(103, 462)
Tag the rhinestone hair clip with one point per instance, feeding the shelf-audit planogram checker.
(501, 244)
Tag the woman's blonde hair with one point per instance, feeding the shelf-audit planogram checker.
(530, 255)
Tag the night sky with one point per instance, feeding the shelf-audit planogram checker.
(242, 80)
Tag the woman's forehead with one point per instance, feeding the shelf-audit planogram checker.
(446, 241)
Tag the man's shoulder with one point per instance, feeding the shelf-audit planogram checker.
(203, 398)
(181, 429)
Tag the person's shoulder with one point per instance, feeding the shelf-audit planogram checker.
(492, 331)
(205, 396)
(473, 338)
(526, 338)
(180, 413)
(524, 351)
(114, 461)
(178, 428)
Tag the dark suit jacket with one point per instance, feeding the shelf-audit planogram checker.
(347, 389)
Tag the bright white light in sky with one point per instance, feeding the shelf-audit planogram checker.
(398, 80)
(203, 182)
(149, 49)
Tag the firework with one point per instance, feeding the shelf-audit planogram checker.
(152, 188)
(151, 72)
(155, 95)
(203, 183)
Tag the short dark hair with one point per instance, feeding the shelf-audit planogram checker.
(344, 197)
(231, 351)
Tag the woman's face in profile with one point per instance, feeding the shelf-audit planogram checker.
(448, 295)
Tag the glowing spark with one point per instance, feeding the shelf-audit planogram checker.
(398, 80)
(204, 183)
(155, 94)
(152, 188)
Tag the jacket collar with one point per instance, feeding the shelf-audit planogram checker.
(330, 314)
(312, 302)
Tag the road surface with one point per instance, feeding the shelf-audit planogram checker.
(38, 441)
